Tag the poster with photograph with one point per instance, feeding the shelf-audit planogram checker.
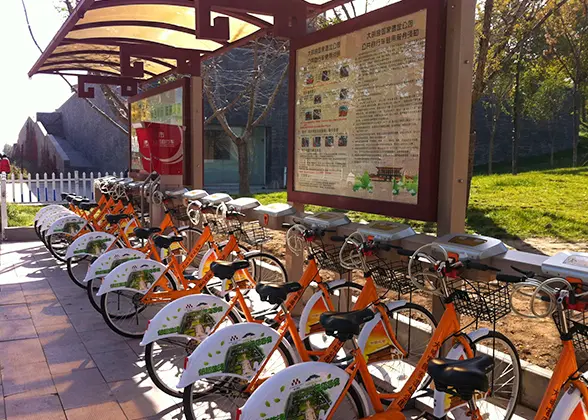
(358, 116)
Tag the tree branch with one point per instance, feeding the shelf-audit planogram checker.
(272, 99)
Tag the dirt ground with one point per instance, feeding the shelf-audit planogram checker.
(536, 340)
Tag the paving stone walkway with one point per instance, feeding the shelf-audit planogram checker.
(58, 359)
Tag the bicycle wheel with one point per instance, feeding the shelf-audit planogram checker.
(263, 268)
(220, 397)
(92, 288)
(78, 267)
(504, 379)
(412, 326)
(57, 245)
(165, 359)
(124, 313)
(343, 297)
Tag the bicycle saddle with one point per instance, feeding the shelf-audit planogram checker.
(145, 233)
(79, 200)
(226, 269)
(176, 193)
(162, 241)
(115, 218)
(345, 325)
(70, 197)
(64, 195)
(88, 206)
(276, 293)
(462, 377)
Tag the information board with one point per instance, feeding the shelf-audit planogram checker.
(364, 132)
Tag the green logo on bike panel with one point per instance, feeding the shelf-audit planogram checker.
(139, 280)
(94, 247)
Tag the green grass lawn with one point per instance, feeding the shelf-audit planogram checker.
(549, 203)
(21, 214)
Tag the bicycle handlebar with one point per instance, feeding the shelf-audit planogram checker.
(509, 278)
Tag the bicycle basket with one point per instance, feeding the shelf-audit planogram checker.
(480, 299)
(253, 233)
(220, 225)
(177, 210)
(327, 257)
(577, 327)
(391, 275)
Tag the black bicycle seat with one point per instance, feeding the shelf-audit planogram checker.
(78, 200)
(276, 293)
(70, 197)
(116, 218)
(226, 269)
(163, 241)
(461, 377)
(145, 233)
(345, 325)
(64, 195)
(88, 206)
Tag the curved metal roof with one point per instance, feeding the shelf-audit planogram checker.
(159, 32)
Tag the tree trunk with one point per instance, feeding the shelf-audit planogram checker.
(243, 152)
(551, 143)
(472, 152)
(516, 119)
(576, 133)
(495, 117)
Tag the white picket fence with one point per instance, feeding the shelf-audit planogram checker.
(48, 188)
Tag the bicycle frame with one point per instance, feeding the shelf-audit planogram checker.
(566, 370)
(167, 294)
(448, 326)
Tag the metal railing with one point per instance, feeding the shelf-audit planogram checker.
(44, 188)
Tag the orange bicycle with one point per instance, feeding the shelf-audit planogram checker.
(326, 391)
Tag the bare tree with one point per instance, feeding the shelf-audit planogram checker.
(245, 81)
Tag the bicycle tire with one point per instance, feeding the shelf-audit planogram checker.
(152, 369)
(109, 319)
(250, 295)
(189, 394)
(496, 336)
(71, 263)
(91, 289)
(414, 344)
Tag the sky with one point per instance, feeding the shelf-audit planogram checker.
(21, 96)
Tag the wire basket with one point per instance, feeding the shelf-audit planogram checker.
(327, 257)
(391, 275)
(577, 327)
(253, 233)
(220, 225)
(480, 300)
(177, 210)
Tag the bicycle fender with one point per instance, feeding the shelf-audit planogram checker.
(136, 275)
(46, 210)
(69, 225)
(373, 336)
(204, 266)
(236, 351)
(93, 243)
(47, 220)
(310, 389)
(571, 403)
(315, 306)
(442, 400)
(110, 260)
(193, 316)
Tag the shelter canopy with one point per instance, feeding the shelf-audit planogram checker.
(158, 33)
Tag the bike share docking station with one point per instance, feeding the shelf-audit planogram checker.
(567, 264)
